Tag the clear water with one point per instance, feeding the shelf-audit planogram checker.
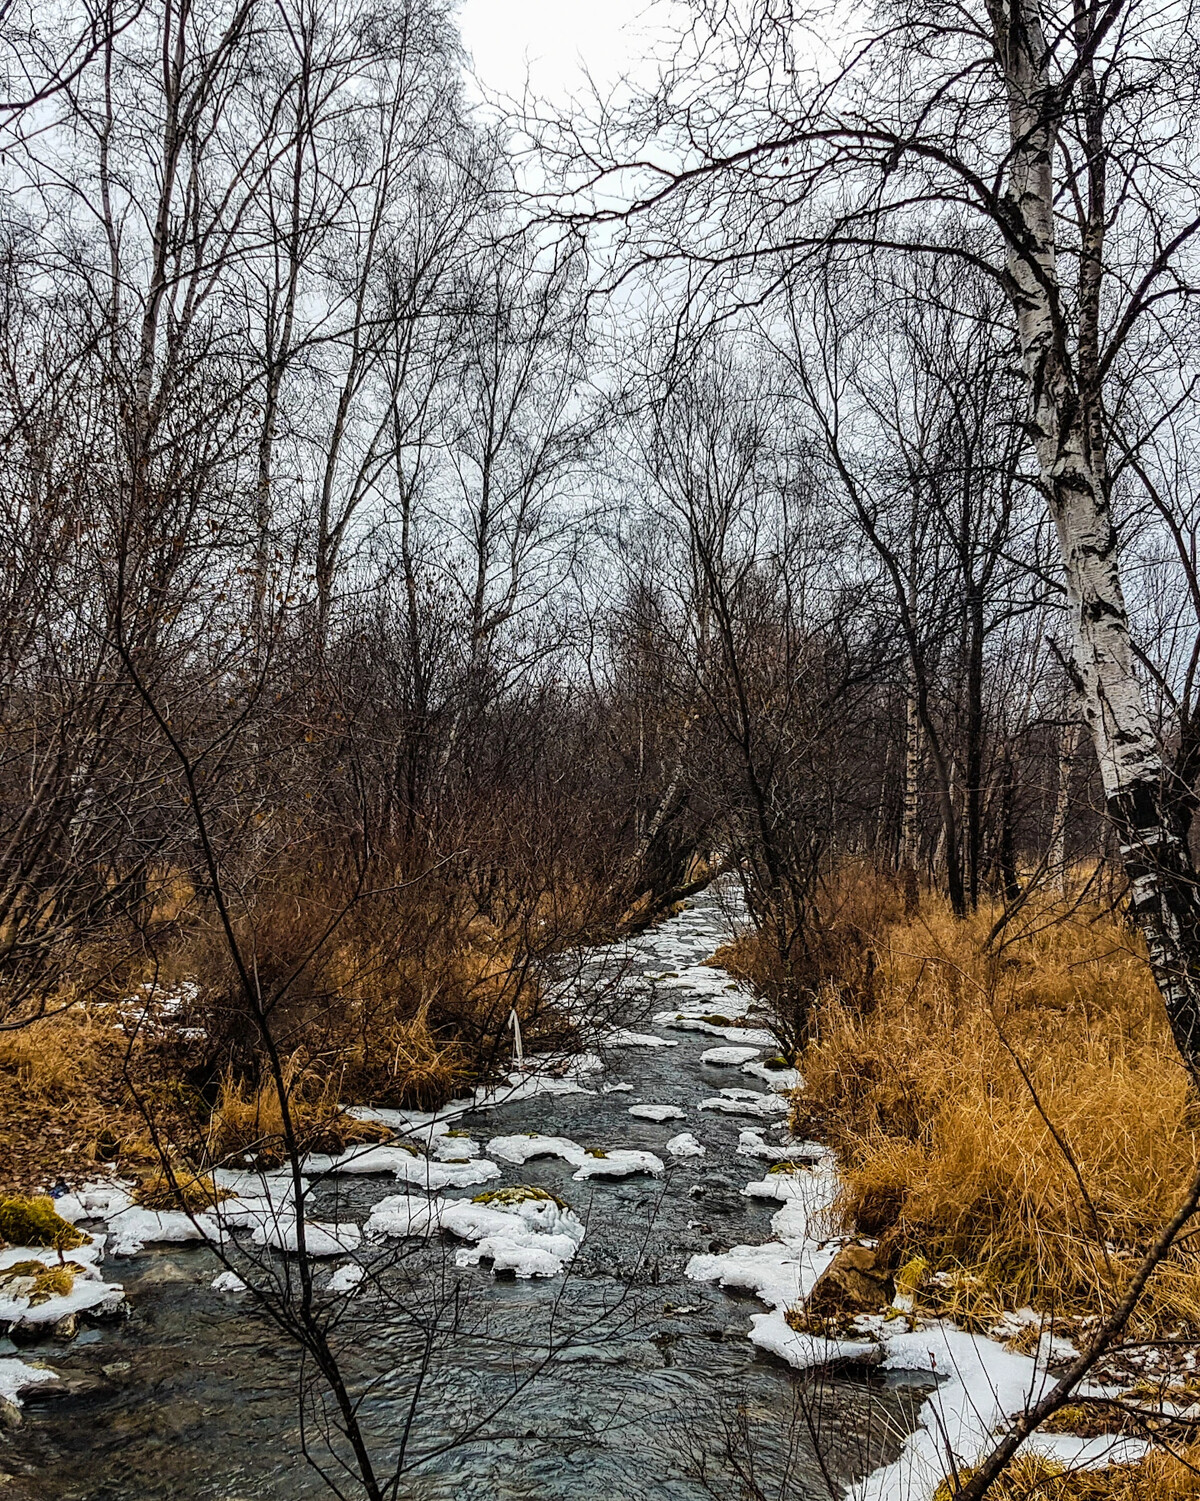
(197, 1396)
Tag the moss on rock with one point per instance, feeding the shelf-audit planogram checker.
(520, 1193)
(35, 1222)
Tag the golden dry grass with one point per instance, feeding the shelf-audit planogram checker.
(180, 1189)
(1161, 1476)
(61, 1087)
(399, 997)
(248, 1119)
(952, 1093)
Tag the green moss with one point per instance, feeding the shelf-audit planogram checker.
(458, 1133)
(36, 1222)
(521, 1193)
(716, 1020)
(596, 1152)
(777, 1063)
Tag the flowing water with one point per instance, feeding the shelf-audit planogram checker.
(195, 1395)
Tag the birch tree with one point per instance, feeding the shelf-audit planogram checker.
(1050, 146)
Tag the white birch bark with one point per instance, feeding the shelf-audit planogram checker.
(1063, 379)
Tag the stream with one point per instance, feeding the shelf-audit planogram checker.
(194, 1395)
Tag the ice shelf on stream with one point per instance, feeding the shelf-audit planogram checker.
(981, 1385)
(17, 1376)
(531, 1237)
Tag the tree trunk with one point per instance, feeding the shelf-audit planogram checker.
(1067, 745)
(909, 849)
(1067, 425)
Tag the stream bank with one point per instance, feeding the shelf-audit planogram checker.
(194, 1395)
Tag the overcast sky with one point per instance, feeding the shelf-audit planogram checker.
(553, 39)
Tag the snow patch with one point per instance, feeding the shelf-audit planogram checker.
(680, 1021)
(983, 1386)
(535, 1238)
(90, 1291)
(448, 1148)
(402, 1215)
(136, 1227)
(619, 1164)
(782, 1080)
(619, 1038)
(728, 1057)
(780, 1186)
(752, 1144)
(345, 1279)
(746, 1102)
(409, 1167)
(657, 1112)
(434, 1176)
(16, 1376)
(522, 1149)
(320, 1238)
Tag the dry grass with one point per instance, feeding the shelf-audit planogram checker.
(407, 999)
(948, 1150)
(403, 1063)
(39, 1282)
(248, 1119)
(61, 1088)
(75, 1089)
(396, 995)
(180, 1189)
(830, 958)
(1161, 1476)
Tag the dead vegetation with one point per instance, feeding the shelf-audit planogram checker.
(1011, 1110)
(398, 996)
(1161, 1476)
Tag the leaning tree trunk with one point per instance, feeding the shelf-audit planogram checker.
(1068, 434)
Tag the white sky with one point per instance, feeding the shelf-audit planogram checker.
(554, 39)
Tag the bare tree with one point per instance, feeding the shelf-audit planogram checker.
(1043, 147)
